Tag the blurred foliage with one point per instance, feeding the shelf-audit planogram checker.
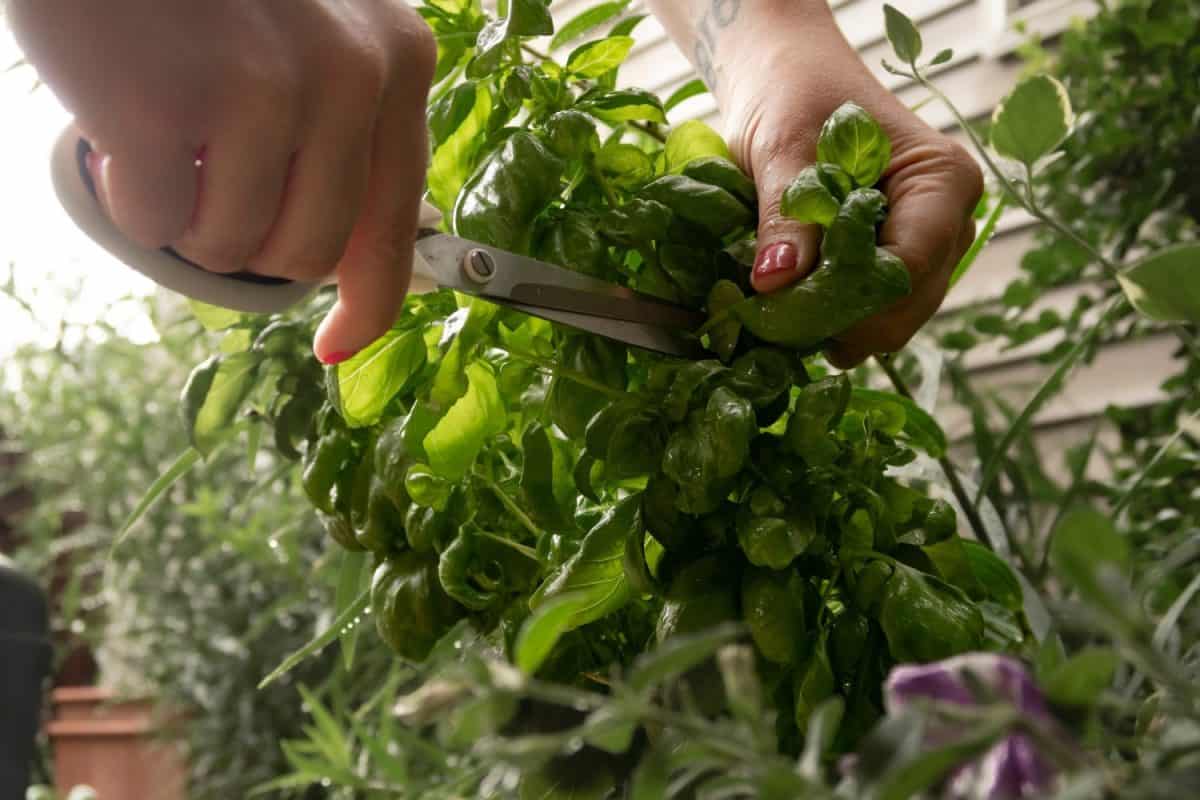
(215, 585)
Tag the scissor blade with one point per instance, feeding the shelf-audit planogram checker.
(536, 283)
(647, 337)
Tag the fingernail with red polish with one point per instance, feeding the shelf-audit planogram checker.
(336, 357)
(774, 259)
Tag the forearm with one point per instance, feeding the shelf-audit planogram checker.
(725, 38)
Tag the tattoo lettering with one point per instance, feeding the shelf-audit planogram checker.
(718, 15)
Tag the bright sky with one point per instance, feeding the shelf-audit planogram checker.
(57, 269)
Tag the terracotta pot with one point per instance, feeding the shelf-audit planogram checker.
(117, 748)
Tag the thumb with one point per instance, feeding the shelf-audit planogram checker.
(787, 249)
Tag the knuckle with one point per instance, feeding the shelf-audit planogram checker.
(963, 169)
(223, 257)
(302, 264)
(420, 47)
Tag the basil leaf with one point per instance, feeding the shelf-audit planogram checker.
(367, 382)
(595, 575)
(454, 161)
(921, 430)
(538, 472)
(689, 90)
(524, 18)
(625, 105)
(624, 165)
(587, 20)
(224, 384)
(720, 171)
(853, 140)
(691, 140)
(710, 207)
(596, 58)
(450, 111)
(807, 200)
(542, 630)
(457, 438)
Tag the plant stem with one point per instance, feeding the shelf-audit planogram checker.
(1152, 463)
(650, 130)
(516, 511)
(1030, 204)
(948, 468)
(569, 374)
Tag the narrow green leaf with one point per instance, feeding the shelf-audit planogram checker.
(1080, 679)
(181, 466)
(679, 654)
(544, 628)
(1049, 387)
(318, 643)
(651, 777)
(942, 57)
(326, 732)
(822, 728)
(903, 34)
(626, 26)
(912, 777)
(691, 89)
(981, 239)
(1165, 285)
(354, 571)
(1166, 625)
(368, 381)
(587, 20)
(1033, 120)
(253, 441)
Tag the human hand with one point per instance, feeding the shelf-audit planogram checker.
(775, 97)
(287, 138)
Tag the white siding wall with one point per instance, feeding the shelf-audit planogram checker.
(983, 69)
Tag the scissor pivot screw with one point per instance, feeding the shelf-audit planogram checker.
(479, 265)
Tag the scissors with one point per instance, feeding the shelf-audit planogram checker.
(440, 260)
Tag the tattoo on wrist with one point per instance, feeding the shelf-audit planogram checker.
(717, 16)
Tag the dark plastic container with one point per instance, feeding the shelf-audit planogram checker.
(24, 664)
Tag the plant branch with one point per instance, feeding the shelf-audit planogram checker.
(948, 468)
(650, 130)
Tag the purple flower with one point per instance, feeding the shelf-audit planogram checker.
(1012, 768)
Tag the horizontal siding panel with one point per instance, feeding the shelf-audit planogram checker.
(862, 21)
(1053, 442)
(1126, 374)
(996, 266)
(974, 87)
